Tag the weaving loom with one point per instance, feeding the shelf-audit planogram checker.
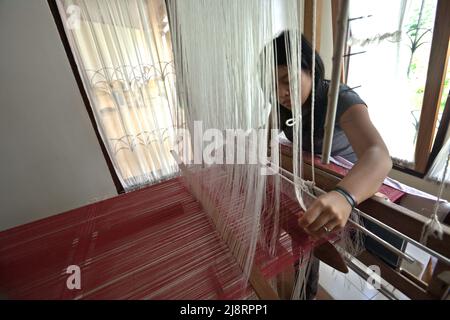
(154, 243)
(217, 231)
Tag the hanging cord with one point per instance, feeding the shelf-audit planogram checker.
(313, 89)
(433, 226)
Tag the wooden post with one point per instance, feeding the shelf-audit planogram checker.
(333, 93)
(437, 68)
(307, 32)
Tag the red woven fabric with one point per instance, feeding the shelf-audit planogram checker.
(154, 243)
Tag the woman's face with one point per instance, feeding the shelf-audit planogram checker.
(283, 92)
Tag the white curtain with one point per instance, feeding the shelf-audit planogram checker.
(123, 52)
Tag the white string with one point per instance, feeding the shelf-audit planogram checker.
(294, 54)
(313, 89)
(434, 227)
(217, 47)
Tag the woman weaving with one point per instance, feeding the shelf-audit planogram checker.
(355, 139)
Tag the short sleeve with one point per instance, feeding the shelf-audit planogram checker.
(347, 98)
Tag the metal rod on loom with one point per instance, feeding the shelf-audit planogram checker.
(399, 234)
(404, 237)
(384, 243)
(378, 223)
(374, 236)
(333, 92)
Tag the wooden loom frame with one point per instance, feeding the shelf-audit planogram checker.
(401, 219)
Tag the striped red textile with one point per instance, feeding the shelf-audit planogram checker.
(154, 243)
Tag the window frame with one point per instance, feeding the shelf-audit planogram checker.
(427, 146)
(437, 69)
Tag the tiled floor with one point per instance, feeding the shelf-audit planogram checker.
(342, 287)
(421, 257)
(350, 286)
(379, 296)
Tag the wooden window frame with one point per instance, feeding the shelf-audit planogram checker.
(427, 146)
(437, 69)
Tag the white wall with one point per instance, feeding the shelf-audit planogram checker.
(50, 158)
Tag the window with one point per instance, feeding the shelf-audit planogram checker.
(124, 57)
(388, 63)
(395, 40)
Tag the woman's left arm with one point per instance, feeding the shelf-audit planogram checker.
(331, 210)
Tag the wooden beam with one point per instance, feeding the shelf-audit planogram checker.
(307, 31)
(413, 279)
(395, 278)
(336, 79)
(438, 286)
(261, 286)
(437, 68)
(403, 220)
(335, 5)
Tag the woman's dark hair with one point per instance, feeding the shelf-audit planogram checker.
(281, 44)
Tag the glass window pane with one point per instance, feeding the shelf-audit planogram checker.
(395, 37)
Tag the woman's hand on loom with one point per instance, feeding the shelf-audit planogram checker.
(328, 213)
(331, 211)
